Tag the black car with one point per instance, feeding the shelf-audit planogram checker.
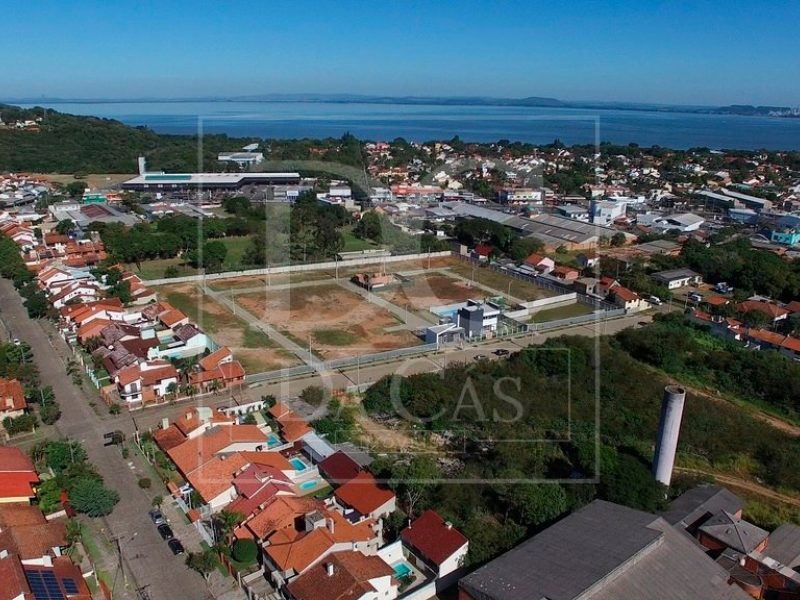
(501, 352)
(157, 517)
(165, 531)
(176, 546)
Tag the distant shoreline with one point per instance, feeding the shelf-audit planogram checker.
(533, 102)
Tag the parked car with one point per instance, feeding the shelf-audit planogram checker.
(695, 297)
(165, 531)
(654, 300)
(17, 342)
(481, 357)
(176, 546)
(501, 352)
(157, 517)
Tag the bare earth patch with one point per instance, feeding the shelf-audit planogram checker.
(429, 290)
(339, 322)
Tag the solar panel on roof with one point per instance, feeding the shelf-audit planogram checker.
(44, 585)
(69, 585)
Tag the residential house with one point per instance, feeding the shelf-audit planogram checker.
(442, 548)
(677, 278)
(721, 326)
(339, 468)
(771, 310)
(605, 286)
(146, 382)
(298, 533)
(12, 399)
(542, 264)
(587, 260)
(586, 285)
(565, 274)
(346, 576)
(293, 427)
(18, 477)
(764, 339)
(627, 299)
(363, 498)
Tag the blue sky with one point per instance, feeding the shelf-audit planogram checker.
(703, 52)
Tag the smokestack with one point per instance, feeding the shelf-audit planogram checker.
(669, 429)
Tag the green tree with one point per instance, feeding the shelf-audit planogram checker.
(203, 562)
(88, 495)
(64, 226)
(50, 412)
(523, 247)
(75, 188)
(225, 522)
(60, 454)
(245, 551)
(313, 394)
(618, 239)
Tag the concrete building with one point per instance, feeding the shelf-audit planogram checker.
(478, 318)
(605, 212)
(603, 551)
(231, 182)
(243, 159)
(669, 429)
(573, 211)
(677, 278)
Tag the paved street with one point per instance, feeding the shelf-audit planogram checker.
(147, 560)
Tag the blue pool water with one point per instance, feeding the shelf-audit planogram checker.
(307, 485)
(273, 440)
(298, 464)
(401, 569)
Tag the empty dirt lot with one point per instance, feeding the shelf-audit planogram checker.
(338, 322)
(251, 347)
(432, 289)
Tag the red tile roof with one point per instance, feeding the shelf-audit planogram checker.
(207, 363)
(12, 397)
(433, 537)
(339, 468)
(364, 494)
(18, 485)
(169, 438)
(768, 308)
(15, 585)
(625, 294)
(14, 460)
(216, 475)
(352, 572)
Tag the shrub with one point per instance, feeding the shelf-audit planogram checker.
(144, 483)
(245, 551)
(88, 495)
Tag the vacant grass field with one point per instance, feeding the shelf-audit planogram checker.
(252, 347)
(504, 284)
(353, 243)
(562, 312)
(338, 322)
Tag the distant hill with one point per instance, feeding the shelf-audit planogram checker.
(70, 143)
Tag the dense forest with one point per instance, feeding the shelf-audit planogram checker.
(554, 386)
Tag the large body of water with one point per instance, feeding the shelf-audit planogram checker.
(471, 123)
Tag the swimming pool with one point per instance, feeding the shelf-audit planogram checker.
(307, 485)
(401, 569)
(299, 464)
(273, 440)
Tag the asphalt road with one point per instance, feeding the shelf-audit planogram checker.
(148, 562)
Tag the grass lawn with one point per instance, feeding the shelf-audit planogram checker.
(353, 243)
(562, 312)
(335, 337)
(524, 290)
(211, 322)
(154, 269)
(236, 248)
(255, 338)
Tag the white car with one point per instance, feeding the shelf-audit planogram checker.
(654, 300)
